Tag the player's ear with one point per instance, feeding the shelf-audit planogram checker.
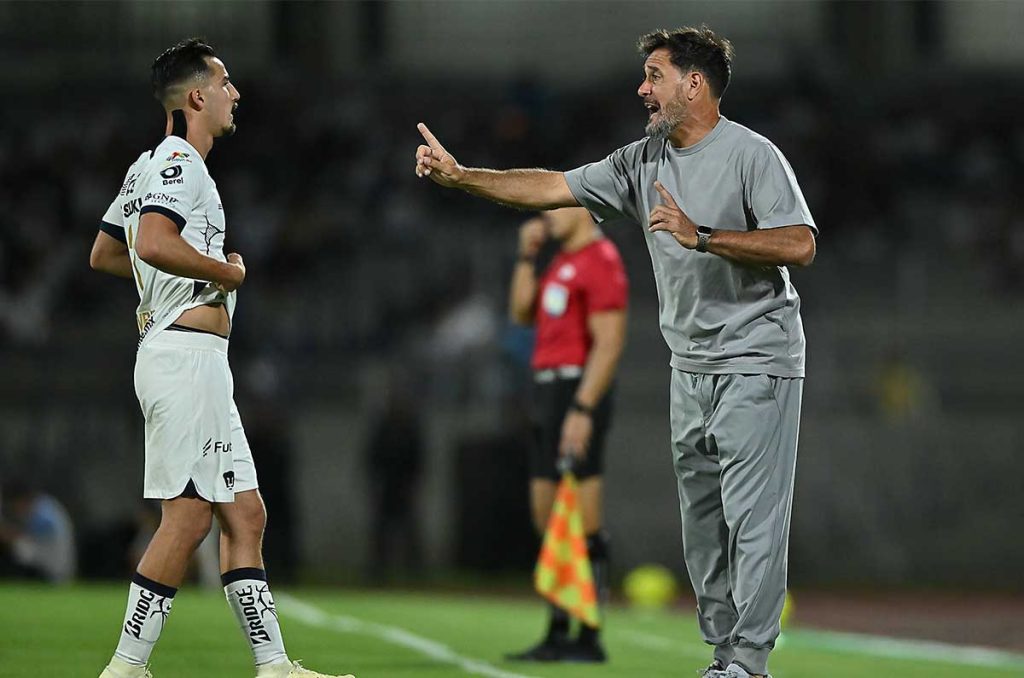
(195, 99)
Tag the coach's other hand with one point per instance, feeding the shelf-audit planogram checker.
(576, 431)
(432, 160)
(235, 273)
(668, 217)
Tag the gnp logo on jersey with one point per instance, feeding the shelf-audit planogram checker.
(172, 175)
(178, 156)
(229, 480)
(161, 197)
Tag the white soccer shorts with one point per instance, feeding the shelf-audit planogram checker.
(193, 430)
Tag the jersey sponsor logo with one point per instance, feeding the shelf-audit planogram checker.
(256, 602)
(144, 330)
(132, 207)
(566, 272)
(217, 447)
(555, 299)
(148, 606)
(172, 175)
(129, 184)
(144, 319)
(178, 156)
(210, 233)
(161, 197)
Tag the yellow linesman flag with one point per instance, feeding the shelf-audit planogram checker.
(563, 573)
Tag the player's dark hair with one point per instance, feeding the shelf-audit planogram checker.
(178, 64)
(697, 49)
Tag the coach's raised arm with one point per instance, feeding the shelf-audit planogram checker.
(536, 189)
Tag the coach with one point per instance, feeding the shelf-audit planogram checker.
(725, 217)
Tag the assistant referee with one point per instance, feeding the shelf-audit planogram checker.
(578, 306)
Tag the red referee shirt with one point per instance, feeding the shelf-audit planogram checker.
(575, 285)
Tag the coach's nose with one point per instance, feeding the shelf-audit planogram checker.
(645, 88)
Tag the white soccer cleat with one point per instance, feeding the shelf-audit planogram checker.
(292, 670)
(122, 669)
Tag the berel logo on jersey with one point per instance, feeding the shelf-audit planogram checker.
(172, 175)
(567, 272)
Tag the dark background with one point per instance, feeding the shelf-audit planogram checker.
(369, 291)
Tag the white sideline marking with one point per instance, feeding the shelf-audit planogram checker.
(314, 616)
(916, 650)
(859, 644)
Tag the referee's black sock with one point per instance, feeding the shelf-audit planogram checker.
(558, 624)
(597, 549)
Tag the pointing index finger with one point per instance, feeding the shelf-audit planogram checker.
(431, 139)
(665, 195)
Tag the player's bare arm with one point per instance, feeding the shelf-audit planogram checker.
(161, 246)
(536, 189)
(608, 330)
(786, 246)
(523, 295)
(110, 255)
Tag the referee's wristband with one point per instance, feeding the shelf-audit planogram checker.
(577, 406)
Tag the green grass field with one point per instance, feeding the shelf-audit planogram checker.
(67, 633)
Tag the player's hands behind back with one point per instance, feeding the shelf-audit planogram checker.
(236, 273)
(432, 160)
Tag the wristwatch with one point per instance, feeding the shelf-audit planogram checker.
(577, 406)
(703, 238)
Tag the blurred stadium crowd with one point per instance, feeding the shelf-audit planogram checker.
(353, 263)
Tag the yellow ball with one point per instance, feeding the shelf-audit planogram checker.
(650, 586)
(787, 610)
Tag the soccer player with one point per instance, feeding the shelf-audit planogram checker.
(166, 230)
(725, 217)
(579, 309)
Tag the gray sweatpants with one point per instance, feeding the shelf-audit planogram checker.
(734, 441)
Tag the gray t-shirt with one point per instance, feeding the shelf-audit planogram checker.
(717, 316)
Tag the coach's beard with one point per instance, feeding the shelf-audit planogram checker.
(662, 124)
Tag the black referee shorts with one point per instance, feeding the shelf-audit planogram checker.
(551, 402)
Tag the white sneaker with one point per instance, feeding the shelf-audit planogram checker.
(118, 668)
(290, 670)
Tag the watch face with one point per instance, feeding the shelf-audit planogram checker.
(704, 230)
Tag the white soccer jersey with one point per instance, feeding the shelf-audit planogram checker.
(171, 180)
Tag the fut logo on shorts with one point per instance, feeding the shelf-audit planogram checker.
(215, 447)
(229, 480)
(555, 299)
